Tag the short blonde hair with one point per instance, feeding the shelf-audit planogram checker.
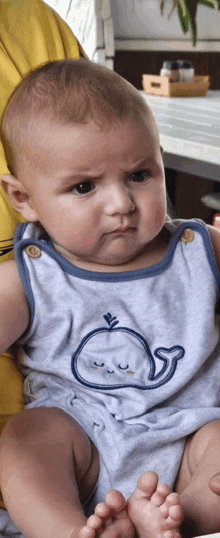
(68, 91)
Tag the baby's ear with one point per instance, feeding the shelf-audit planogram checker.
(19, 197)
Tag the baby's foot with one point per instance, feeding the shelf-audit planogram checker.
(110, 519)
(154, 510)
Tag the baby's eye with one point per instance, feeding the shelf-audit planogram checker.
(123, 367)
(100, 365)
(140, 176)
(83, 188)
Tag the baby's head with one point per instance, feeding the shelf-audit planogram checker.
(81, 145)
(67, 93)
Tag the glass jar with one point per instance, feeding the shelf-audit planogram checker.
(170, 70)
(186, 71)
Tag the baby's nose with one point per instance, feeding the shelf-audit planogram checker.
(119, 200)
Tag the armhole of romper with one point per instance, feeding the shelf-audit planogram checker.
(213, 264)
(209, 252)
(201, 227)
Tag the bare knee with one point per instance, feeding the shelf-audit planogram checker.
(50, 437)
(200, 462)
(202, 449)
(31, 425)
(30, 421)
(204, 442)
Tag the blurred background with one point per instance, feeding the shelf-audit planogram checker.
(134, 37)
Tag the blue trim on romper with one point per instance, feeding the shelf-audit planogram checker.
(84, 274)
(201, 228)
(148, 271)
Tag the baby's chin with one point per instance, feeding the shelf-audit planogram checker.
(111, 264)
(116, 260)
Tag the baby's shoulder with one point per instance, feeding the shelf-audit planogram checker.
(9, 273)
(11, 287)
(14, 311)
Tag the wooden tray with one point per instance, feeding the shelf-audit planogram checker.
(156, 85)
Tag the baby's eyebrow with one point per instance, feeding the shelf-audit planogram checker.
(89, 174)
(142, 163)
(76, 177)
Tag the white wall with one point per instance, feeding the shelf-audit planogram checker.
(92, 23)
(138, 25)
(80, 16)
(142, 20)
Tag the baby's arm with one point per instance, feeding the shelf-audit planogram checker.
(14, 311)
(47, 464)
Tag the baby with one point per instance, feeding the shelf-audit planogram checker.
(114, 308)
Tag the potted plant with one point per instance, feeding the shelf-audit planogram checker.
(187, 10)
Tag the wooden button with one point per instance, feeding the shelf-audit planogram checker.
(33, 251)
(187, 236)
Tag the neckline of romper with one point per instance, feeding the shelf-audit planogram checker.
(24, 238)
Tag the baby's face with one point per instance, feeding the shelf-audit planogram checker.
(99, 193)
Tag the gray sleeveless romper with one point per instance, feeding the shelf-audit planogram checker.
(134, 356)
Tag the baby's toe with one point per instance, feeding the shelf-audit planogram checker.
(102, 510)
(94, 522)
(87, 532)
(176, 514)
(161, 494)
(173, 499)
(115, 500)
(146, 486)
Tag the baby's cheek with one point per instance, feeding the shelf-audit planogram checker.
(87, 239)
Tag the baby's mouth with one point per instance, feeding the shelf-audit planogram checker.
(128, 230)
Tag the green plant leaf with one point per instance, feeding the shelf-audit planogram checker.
(187, 14)
(187, 11)
(211, 3)
(162, 6)
(191, 6)
(184, 18)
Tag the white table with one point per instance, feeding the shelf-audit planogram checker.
(189, 130)
(216, 535)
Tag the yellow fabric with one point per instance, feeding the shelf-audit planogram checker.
(31, 33)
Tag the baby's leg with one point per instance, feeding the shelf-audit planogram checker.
(48, 468)
(201, 461)
(154, 510)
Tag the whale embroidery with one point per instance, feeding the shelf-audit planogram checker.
(115, 356)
